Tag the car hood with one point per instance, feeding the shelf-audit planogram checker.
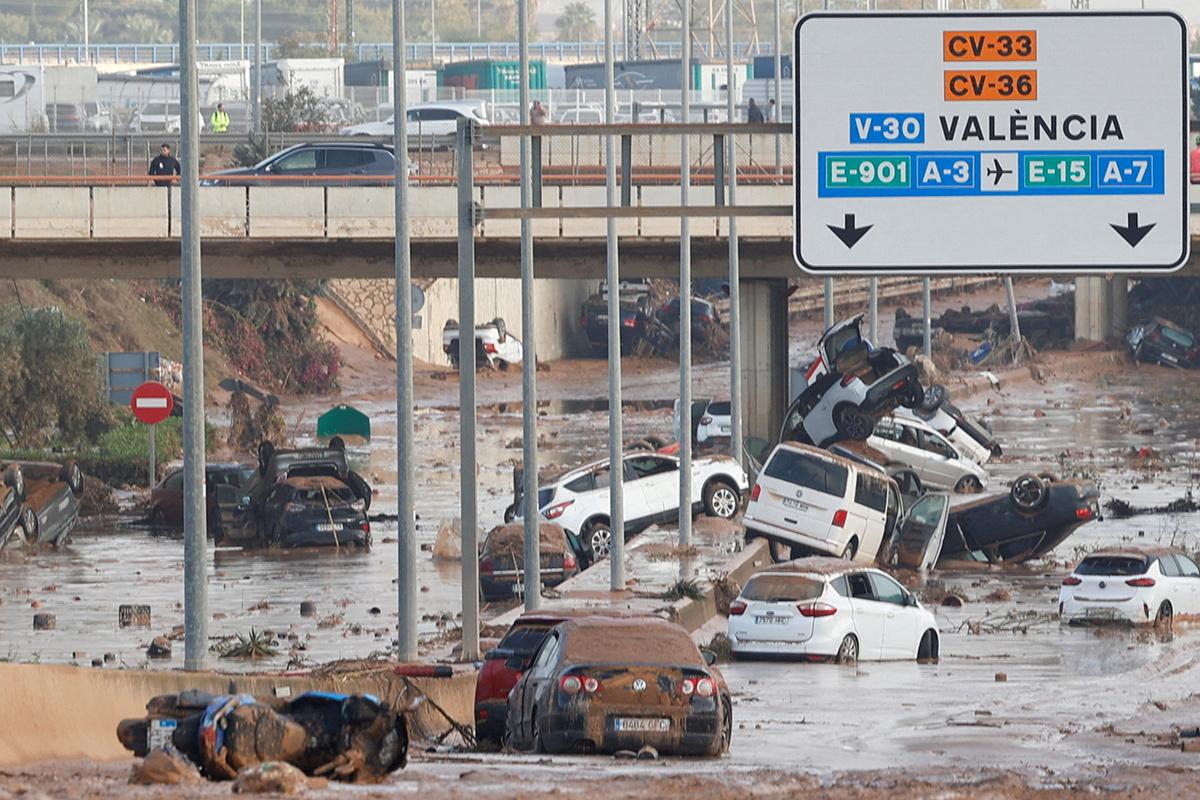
(237, 171)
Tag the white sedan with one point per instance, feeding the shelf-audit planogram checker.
(579, 500)
(1138, 585)
(828, 609)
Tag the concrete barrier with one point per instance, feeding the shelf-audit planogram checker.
(434, 213)
(286, 211)
(222, 212)
(121, 212)
(510, 197)
(592, 197)
(360, 211)
(52, 212)
(669, 196)
(59, 712)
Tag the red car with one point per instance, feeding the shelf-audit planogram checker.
(225, 484)
(503, 666)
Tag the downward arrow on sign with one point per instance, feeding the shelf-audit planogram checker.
(848, 233)
(1131, 232)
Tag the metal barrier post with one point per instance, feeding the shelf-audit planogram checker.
(465, 147)
(533, 546)
(627, 168)
(685, 288)
(406, 534)
(195, 544)
(256, 99)
(778, 89)
(535, 147)
(616, 463)
(873, 308)
(828, 303)
(926, 314)
(718, 169)
(735, 292)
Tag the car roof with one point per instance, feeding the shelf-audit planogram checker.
(827, 456)
(594, 639)
(594, 465)
(340, 146)
(824, 566)
(556, 616)
(914, 422)
(1150, 551)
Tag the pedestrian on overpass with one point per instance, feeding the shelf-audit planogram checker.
(164, 164)
(537, 113)
(754, 112)
(219, 123)
(772, 111)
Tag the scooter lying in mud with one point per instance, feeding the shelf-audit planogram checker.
(353, 738)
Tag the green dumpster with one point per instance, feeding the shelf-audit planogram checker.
(344, 421)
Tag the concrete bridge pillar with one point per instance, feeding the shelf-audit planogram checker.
(764, 356)
(1101, 308)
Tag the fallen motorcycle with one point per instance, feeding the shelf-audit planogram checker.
(355, 738)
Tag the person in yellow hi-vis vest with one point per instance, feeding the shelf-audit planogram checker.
(219, 123)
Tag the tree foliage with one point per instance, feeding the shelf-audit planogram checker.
(577, 23)
(50, 385)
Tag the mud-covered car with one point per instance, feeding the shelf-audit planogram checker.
(51, 507)
(850, 385)
(1031, 519)
(635, 308)
(306, 497)
(355, 738)
(12, 494)
(224, 485)
(1164, 343)
(502, 560)
(604, 684)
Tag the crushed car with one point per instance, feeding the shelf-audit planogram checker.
(636, 309)
(599, 684)
(224, 486)
(825, 609)
(936, 461)
(494, 346)
(347, 737)
(849, 385)
(579, 500)
(12, 495)
(970, 436)
(306, 497)
(502, 559)
(1164, 343)
(1131, 585)
(1036, 515)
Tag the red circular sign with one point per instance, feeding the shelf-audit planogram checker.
(151, 402)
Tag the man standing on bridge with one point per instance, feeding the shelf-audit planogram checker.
(753, 112)
(164, 164)
(219, 123)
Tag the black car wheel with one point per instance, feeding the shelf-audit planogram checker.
(72, 475)
(510, 513)
(29, 524)
(933, 397)
(536, 739)
(1028, 493)
(968, 484)
(1165, 618)
(598, 536)
(927, 650)
(15, 480)
(852, 423)
(850, 551)
(726, 726)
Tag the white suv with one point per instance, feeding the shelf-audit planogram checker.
(936, 462)
(579, 500)
(812, 501)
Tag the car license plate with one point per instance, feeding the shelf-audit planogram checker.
(1100, 613)
(328, 527)
(642, 724)
(796, 504)
(770, 620)
(518, 588)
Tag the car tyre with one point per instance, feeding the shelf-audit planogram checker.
(158, 519)
(501, 332)
(1165, 618)
(265, 451)
(968, 484)
(726, 726)
(848, 650)
(510, 514)
(851, 550)
(1028, 493)
(721, 500)
(72, 475)
(29, 524)
(598, 536)
(14, 479)
(538, 745)
(852, 423)
(927, 650)
(932, 398)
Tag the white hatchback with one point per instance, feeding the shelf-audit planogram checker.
(579, 500)
(1138, 585)
(826, 609)
(810, 500)
(937, 462)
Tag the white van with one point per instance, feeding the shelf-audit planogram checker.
(808, 500)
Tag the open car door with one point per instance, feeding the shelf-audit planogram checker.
(922, 532)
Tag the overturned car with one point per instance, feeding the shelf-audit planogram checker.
(354, 738)
(39, 502)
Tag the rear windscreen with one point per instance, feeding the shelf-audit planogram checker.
(782, 588)
(718, 409)
(1112, 565)
(524, 640)
(803, 470)
(1178, 337)
(339, 496)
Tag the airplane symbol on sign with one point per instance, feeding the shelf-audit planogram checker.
(997, 172)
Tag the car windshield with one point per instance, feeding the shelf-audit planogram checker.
(523, 639)
(782, 588)
(1112, 565)
(808, 472)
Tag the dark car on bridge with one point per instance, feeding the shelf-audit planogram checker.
(315, 164)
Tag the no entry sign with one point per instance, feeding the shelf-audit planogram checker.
(151, 403)
(991, 142)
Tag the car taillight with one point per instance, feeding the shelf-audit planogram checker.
(705, 687)
(899, 384)
(737, 608)
(1083, 513)
(556, 511)
(815, 609)
(591, 685)
(486, 567)
(1071, 580)
(569, 561)
(570, 684)
(755, 492)
(365, 527)
(706, 420)
(839, 518)
(629, 322)
(686, 687)
(488, 347)
(1143, 583)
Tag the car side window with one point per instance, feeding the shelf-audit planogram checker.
(547, 652)
(1187, 567)
(906, 435)
(301, 161)
(936, 445)
(174, 482)
(860, 586)
(871, 492)
(841, 586)
(887, 590)
(344, 158)
(1168, 567)
(584, 483)
(646, 466)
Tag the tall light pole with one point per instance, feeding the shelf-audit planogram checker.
(242, 29)
(86, 33)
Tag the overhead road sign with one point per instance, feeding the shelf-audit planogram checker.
(991, 142)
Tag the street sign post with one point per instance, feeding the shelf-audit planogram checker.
(987, 142)
(151, 403)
